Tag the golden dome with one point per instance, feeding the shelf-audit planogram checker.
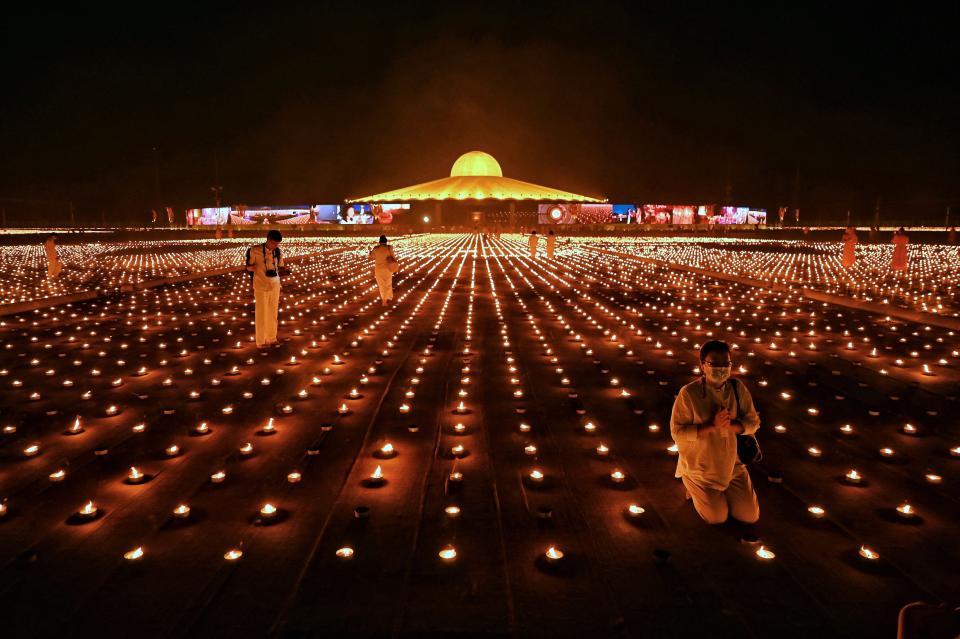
(476, 163)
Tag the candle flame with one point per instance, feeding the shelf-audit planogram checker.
(377, 474)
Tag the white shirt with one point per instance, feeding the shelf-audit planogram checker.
(710, 459)
(262, 260)
(379, 254)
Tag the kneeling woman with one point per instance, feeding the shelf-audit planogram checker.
(707, 416)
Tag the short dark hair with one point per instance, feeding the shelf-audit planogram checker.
(274, 234)
(713, 346)
(383, 239)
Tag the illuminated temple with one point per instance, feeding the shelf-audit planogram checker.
(476, 186)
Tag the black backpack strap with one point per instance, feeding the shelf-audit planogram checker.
(736, 397)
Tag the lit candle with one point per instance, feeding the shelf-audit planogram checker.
(869, 554)
(247, 449)
(673, 449)
(618, 477)
(343, 410)
(268, 511)
(268, 429)
(530, 449)
(603, 450)
(853, 477)
(76, 428)
(376, 478)
(387, 450)
(233, 554)
(172, 451)
(955, 451)
(458, 450)
(345, 553)
(354, 393)
(846, 429)
(58, 475)
(933, 478)
(590, 427)
(909, 429)
(134, 555)
(816, 512)
(135, 476)
(763, 554)
(452, 511)
(906, 511)
(88, 511)
(886, 451)
(448, 554)
(293, 477)
(536, 476)
(218, 477)
(461, 408)
(525, 428)
(813, 451)
(635, 510)
(182, 511)
(459, 428)
(553, 555)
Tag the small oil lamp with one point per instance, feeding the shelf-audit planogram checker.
(268, 429)
(386, 451)
(817, 512)
(76, 428)
(553, 555)
(268, 512)
(886, 451)
(345, 553)
(590, 428)
(909, 429)
(448, 554)
(813, 451)
(847, 429)
(171, 451)
(603, 450)
(530, 449)
(452, 511)
(182, 511)
(536, 476)
(525, 428)
(233, 554)
(853, 477)
(673, 449)
(218, 477)
(635, 510)
(88, 511)
(343, 410)
(933, 478)
(135, 476)
(58, 475)
(618, 477)
(906, 511)
(246, 450)
(461, 408)
(134, 555)
(201, 429)
(763, 554)
(868, 554)
(376, 478)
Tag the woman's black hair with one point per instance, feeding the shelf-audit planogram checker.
(713, 346)
(383, 239)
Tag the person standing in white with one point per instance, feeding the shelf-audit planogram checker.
(707, 416)
(264, 262)
(384, 266)
(532, 242)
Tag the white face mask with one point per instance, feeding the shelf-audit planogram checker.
(717, 374)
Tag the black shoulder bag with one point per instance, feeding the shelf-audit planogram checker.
(748, 448)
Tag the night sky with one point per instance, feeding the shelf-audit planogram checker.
(635, 104)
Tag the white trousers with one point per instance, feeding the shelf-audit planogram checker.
(739, 499)
(267, 303)
(385, 282)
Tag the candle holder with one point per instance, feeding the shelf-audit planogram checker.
(853, 477)
(376, 479)
(345, 553)
(86, 513)
(135, 477)
(201, 430)
(387, 451)
(76, 428)
(182, 512)
(268, 429)
(134, 555)
(448, 554)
